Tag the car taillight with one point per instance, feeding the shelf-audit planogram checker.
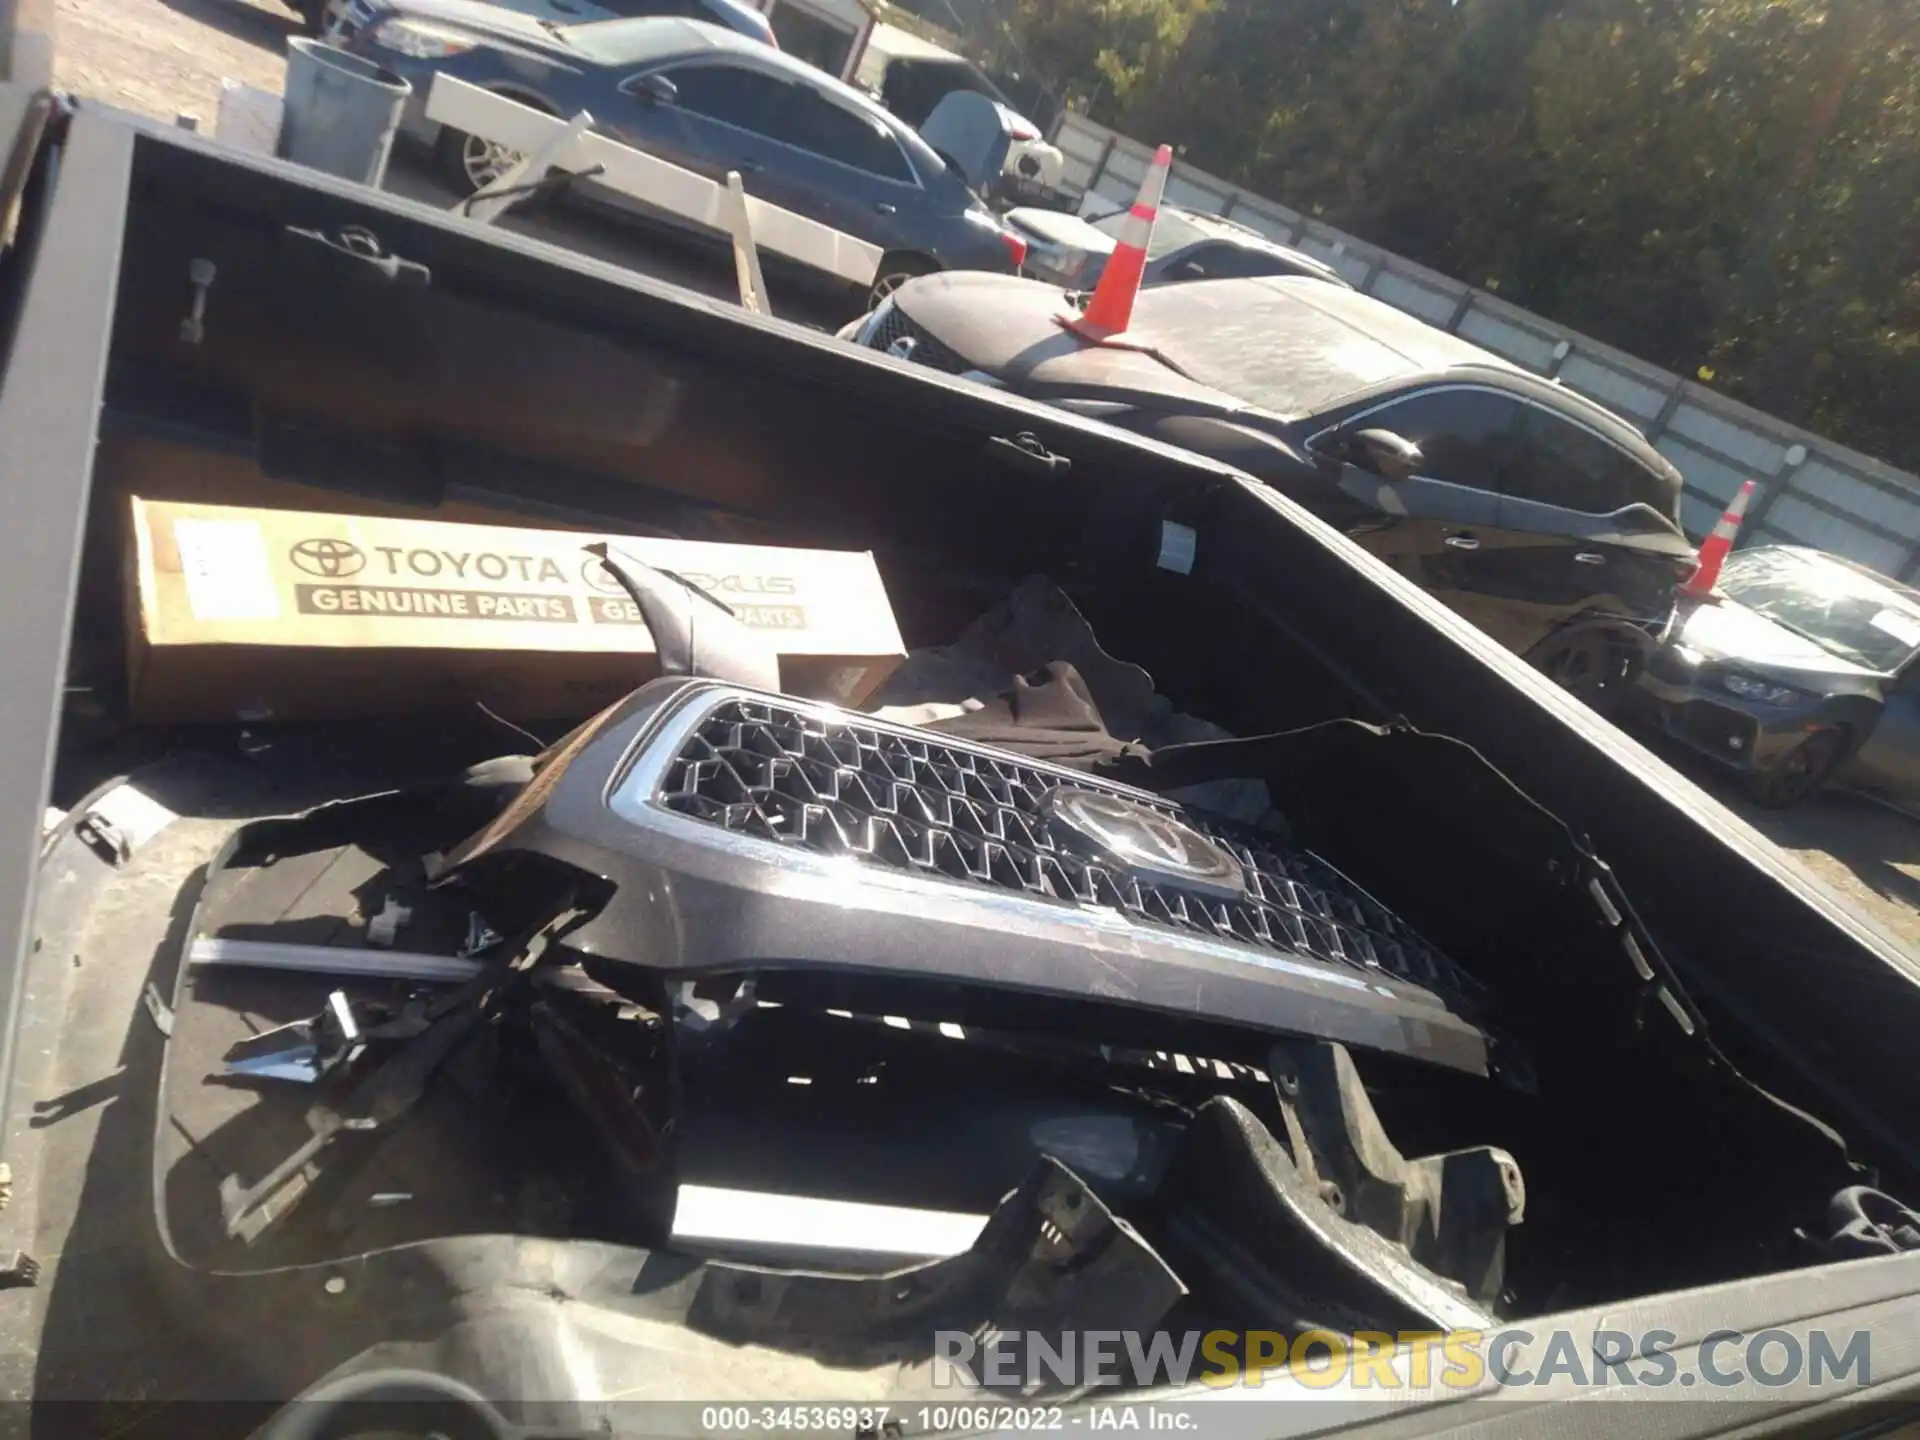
(1016, 247)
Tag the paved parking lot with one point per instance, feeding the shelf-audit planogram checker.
(165, 58)
(1865, 851)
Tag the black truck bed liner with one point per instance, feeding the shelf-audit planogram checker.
(538, 385)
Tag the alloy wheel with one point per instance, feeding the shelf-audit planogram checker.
(885, 285)
(1592, 667)
(485, 161)
(1803, 769)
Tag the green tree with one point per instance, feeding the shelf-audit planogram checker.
(1727, 187)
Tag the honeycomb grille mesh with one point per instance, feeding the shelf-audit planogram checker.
(894, 325)
(924, 805)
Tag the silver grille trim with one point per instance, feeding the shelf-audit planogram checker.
(1353, 929)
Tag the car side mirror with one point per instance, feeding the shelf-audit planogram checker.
(656, 90)
(1390, 456)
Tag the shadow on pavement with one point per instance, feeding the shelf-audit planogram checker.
(1881, 847)
(255, 24)
(1867, 854)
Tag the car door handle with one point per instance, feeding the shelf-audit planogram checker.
(885, 208)
(1463, 542)
(1590, 557)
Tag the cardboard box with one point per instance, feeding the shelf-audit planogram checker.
(238, 614)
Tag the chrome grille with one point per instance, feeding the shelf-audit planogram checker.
(918, 803)
(894, 325)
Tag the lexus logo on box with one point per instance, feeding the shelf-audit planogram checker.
(1146, 843)
(329, 559)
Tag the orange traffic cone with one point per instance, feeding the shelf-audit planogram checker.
(1716, 547)
(1110, 310)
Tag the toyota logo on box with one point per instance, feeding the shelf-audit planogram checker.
(328, 558)
(598, 575)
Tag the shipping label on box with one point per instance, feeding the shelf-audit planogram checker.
(290, 615)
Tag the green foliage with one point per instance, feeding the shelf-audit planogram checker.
(1727, 184)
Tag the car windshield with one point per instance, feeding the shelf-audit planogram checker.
(1835, 606)
(632, 41)
(927, 160)
(1170, 232)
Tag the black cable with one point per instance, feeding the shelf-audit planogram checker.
(552, 180)
(519, 730)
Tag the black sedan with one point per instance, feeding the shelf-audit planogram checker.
(708, 99)
(1545, 519)
(1806, 670)
(1186, 244)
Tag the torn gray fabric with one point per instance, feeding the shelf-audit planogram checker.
(1035, 637)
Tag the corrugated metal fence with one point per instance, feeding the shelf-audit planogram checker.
(1812, 491)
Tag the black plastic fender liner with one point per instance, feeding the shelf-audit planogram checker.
(1235, 1180)
(121, 1317)
(107, 1323)
(1564, 920)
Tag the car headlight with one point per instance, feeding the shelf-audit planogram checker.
(420, 41)
(1748, 688)
(870, 326)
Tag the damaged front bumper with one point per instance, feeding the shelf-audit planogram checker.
(1714, 725)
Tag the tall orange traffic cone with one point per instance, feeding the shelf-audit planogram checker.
(1110, 310)
(1716, 547)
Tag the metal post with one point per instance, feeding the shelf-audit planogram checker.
(1454, 321)
(858, 50)
(746, 255)
(1100, 167)
(1774, 486)
(1672, 403)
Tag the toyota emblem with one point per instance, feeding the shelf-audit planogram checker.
(1147, 844)
(327, 558)
(597, 574)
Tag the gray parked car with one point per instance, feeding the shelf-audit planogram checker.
(1543, 518)
(1806, 670)
(1071, 251)
(708, 99)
